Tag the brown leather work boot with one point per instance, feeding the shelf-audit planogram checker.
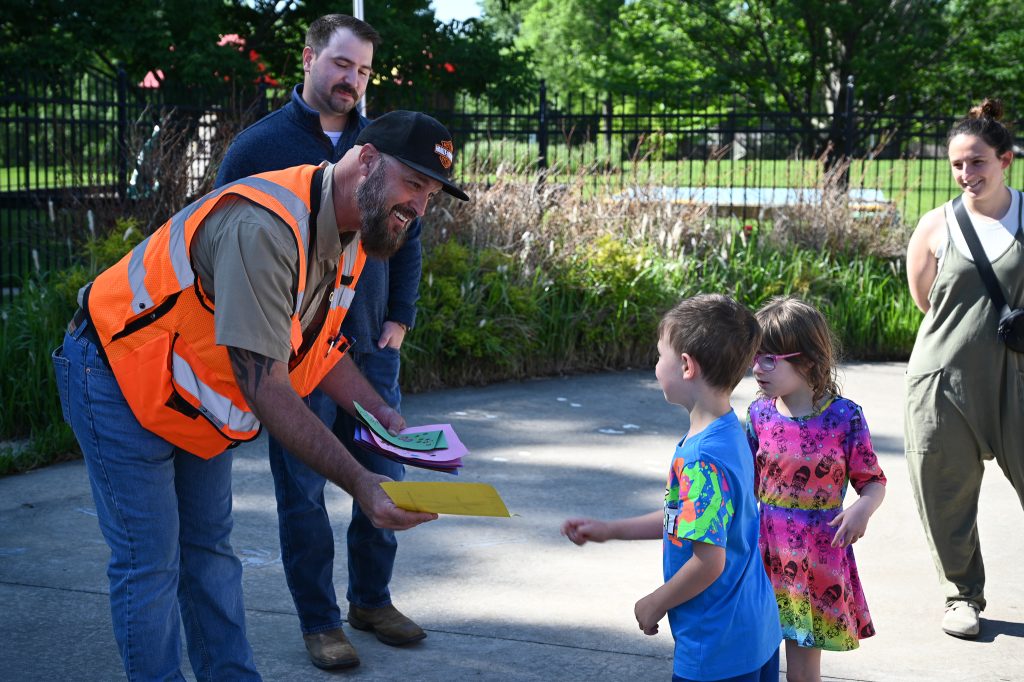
(331, 650)
(387, 622)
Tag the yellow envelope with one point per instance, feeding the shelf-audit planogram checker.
(470, 499)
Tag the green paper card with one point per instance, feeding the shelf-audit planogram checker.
(426, 440)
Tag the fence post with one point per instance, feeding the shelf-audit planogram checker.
(850, 129)
(23, 130)
(122, 132)
(848, 132)
(542, 127)
(609, 121)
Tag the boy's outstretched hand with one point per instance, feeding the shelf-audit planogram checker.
(581, 531)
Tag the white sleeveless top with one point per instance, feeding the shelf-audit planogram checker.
(995, 235)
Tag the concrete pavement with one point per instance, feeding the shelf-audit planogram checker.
(510, 599)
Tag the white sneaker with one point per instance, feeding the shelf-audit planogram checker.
(961, 619)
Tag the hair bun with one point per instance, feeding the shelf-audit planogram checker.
(989, 108)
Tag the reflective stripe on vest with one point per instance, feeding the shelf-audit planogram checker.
(178, 248)
(344, 293)
(329, 348)
(216, 407)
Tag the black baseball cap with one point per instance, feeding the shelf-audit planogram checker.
(418, 141)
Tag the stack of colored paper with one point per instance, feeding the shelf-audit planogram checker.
(435, 447)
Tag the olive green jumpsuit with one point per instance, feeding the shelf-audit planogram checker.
(964, 404)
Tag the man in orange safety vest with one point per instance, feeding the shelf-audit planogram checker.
(215, 326)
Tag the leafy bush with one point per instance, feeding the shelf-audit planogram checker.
(485, 316)
(30, 328)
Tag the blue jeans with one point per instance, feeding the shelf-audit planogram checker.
(769, 672)
(166, 516)
(307, 539)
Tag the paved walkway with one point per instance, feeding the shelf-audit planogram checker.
(510, 599)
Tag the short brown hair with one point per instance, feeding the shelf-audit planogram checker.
(721, 334)
(790, 325)
(321, 30)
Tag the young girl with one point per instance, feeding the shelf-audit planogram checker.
(808, 442)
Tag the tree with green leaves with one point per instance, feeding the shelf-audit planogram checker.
(177, 41)
(574, 42)
(182, 43)
(983, 60)
(797, 56)
(599, 46)
(800, 55)
(422, 55)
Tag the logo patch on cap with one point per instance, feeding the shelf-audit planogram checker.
(445, 153)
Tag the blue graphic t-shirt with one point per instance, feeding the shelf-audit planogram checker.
(732, 627)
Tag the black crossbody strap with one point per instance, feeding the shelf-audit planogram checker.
(988, 276)
(1019, 234)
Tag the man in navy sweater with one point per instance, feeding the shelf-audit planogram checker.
(321, 123)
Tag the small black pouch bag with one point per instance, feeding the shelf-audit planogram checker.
(1011, 322)
(1011, 329)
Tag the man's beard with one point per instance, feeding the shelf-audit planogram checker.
(378, 239)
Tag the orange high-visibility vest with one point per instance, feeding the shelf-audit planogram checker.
(156, 325)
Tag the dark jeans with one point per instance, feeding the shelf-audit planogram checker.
(769, 672)
(307, 539)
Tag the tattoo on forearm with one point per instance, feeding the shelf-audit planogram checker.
(250, 368)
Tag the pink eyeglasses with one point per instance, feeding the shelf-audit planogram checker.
(767, 361)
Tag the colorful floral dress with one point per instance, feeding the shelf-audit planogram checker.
(802, 468)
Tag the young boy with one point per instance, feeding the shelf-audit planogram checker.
(719, 602)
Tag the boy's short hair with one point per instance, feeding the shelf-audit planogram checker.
(721, 334)
(320, 31)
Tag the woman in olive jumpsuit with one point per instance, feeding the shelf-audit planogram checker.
(965, 388)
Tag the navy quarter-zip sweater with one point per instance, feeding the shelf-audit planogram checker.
(292, 136)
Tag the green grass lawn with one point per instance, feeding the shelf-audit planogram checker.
(20, 178)
(913, 185)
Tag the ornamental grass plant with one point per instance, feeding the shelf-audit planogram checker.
(829, 221)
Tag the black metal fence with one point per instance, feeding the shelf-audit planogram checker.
(72, 151)
(738, 161)
(75, 153)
